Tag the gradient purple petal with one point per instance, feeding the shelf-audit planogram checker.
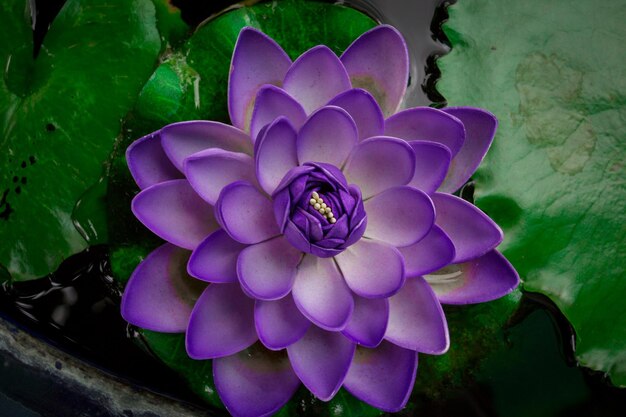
(328, 136)
(434, 251)
(255, 382)
(426, 123)
(215, 258)
(364, 110)
(400, 216)
(211, 170)
(267, 270)
(180, 140)
(382, 377)
(173, 211)
(378, 61)
(321, 293)
(257, 60)
(368, 322)
(148, 163)
(160, 295)
(279, 323)
(246, 214)
(273, 102)
(321, 360)
(316, 77)
(431, 165)
(379, 163)
(480, 128)
(372, 269)
(275, 154)
(416, 319)
(477, 281)
(221, 324)
(472, 231)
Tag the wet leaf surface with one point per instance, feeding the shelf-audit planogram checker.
(554, 75)
(59, 116)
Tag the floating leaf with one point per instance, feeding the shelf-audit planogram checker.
(553, 72)
(59, 116)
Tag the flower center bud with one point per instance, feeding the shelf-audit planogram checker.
(318, 204)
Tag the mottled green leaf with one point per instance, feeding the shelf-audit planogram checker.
(59, 116)
(554, 74)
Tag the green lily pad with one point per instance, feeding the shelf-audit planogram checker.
(554, 74)
(59, 116)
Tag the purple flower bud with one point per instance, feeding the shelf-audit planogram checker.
(318, 212)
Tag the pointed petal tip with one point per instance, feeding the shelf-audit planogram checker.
(479, 280)
(472, 231)
(416, 319)
(173, 211)
(327, 136)
(480, 126)
(257, 60)
(159, 295)
(378, 60)
(383, 377)
(221, 323)
(234, 212)
(255, 382)
(321, 360)
(267, 270)
(316, 77)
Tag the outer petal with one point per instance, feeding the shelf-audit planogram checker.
(279, 323)
(321, 293)
(211, 170)
(383, 377)
(275, 154)
(267, 270)
(480, 128)
(472, 231)
(426, 123)
(483, 279)
(183, 139)
(316, 77)
(148, 163)
(378, 61)
(257, 60)
(372, 269)
(159, 295)
(435, 251)
(215, 259)
(416, 320)
(400, 216)
(321, 360)
(255, 382)
(273, 102)
(368, 322)
(174, 212)
(431, 165)
(329, 136)
(364, 110)
(379, 163)
(245, 213)
(221, 324)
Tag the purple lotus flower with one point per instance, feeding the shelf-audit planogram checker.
(322, 220)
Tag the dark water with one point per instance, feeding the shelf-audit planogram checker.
(77, 307)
